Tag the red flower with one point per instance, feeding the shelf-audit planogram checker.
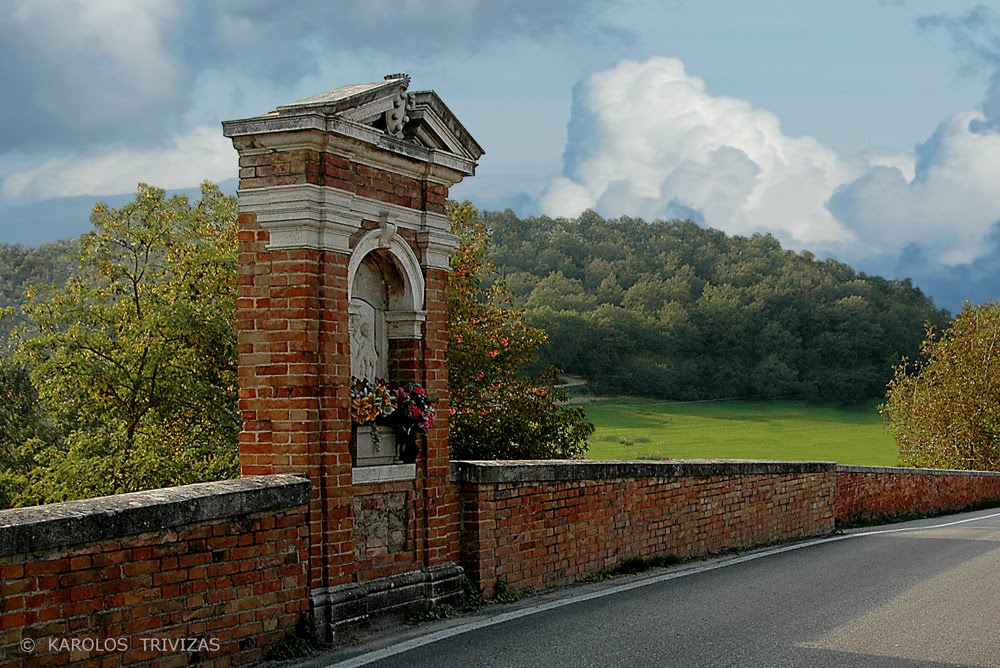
(419, 391)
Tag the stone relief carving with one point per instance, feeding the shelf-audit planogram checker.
(364, 355)
(396, 118)
(387, 230)
(402, 103)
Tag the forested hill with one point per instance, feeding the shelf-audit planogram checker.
(23, 266)
(667, 309)
(672, 310)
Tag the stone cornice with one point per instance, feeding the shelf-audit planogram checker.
(315, 131)
(324, 218)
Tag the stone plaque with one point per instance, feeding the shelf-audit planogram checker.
(381, 524)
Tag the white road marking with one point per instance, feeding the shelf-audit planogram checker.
(936, 526)
(414, 643)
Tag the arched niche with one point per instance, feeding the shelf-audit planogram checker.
(386, 297)
(384, 269)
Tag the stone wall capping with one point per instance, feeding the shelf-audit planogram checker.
(561, 470)
(40, 528)
(903, 470)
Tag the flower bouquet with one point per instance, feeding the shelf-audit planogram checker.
(371, 402)
(408, 409)
(414, 415)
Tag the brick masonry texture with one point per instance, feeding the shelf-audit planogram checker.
(230, 560)
(294, 368)
(866, 493)
(335, 171)
(223, 562)
(535, 525)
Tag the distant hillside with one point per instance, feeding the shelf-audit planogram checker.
(673, 310)
(22, 266)
(65, 217)
(667, 309)
(38, 242)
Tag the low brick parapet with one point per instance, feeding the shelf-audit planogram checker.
(213, 572)
(867, 493)
(544, 523)
(38, 528)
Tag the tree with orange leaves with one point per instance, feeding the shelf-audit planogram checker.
(944, 410)
(498, 411)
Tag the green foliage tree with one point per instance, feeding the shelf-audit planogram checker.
(135, 357)
(497, 412)
(944, 411)
(25, 429)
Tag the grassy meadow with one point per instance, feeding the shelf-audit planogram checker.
(781, 430)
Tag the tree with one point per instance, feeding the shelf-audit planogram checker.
(497, 412)
(25, 429)
(135, 357)
(944, 411)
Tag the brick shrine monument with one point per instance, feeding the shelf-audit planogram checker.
(344, 257)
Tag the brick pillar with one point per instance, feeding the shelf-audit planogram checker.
(442, 511)
(325, 183)
(292, 349)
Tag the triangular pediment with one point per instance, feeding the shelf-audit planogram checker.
(419, 117)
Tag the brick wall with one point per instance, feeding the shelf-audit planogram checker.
(539, 524)
(218, 567)
(440, 497)
(224, 566)
(865, 493)
(337, 171)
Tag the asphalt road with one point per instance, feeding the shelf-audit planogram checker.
(923, 593)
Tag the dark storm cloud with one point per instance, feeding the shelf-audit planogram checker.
(977, 281)
(91, 73)
(69, 74)
(393, 26)
(976, 36)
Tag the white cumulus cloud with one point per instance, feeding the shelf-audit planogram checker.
(647, 139)
(948, 207)
(191, 157)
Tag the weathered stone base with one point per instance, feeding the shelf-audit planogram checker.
(357, 609)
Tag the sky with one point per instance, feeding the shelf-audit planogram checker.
(861, 130)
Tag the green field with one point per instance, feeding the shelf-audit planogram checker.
(782, 430)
